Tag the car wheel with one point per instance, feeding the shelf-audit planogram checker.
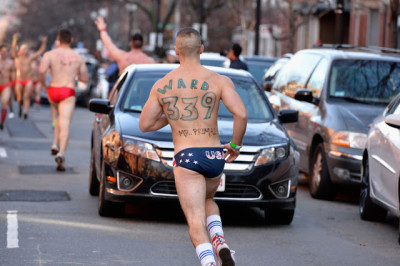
(108, 208)
(320, 184)
(93, 181)
(368, 210)
(278, 216)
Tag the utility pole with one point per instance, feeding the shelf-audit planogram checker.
(158, 9)
(339, 21)
(202, 17)
(257, 27)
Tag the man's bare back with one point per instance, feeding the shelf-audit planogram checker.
(190, 101)
(64, 65)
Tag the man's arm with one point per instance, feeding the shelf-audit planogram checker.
(116, 53)
(41, 49)
(152, 117)
(83, 74)
(234, 104)
(43, 69)
(14, 45)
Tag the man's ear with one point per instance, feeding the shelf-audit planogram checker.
(176, 51)
(72, 40)
(201, 49)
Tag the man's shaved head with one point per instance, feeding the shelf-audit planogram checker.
(188, 42)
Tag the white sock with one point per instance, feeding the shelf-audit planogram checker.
(214, 225)
(205, 253)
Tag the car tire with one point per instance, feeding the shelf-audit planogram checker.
(94, 184)
(369, 211)
(108, 208)
(278, 216)
(320, 184)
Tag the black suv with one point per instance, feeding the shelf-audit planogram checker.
(338, 92)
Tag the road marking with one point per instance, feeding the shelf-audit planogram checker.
(3, 152)
(12, 229)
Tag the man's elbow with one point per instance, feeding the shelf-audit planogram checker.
(242, 116)
(144, 127)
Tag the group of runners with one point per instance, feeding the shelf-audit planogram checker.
(18, 78)
(197, 184)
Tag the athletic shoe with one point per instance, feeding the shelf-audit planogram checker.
(20, 110)
(11, 115)
(224, 255)
(25, 116)
(60, 161)
(54, 149)
(1, 126)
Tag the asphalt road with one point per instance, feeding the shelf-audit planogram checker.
(49, 218)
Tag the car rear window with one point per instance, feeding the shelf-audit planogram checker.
(369, 81)
(258, 110)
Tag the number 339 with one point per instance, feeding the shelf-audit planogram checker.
(207, 101)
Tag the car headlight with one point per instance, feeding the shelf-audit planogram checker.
(271, 154)
(140, 148)
(349, 139)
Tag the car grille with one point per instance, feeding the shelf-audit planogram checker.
(232, 191)
(244, 162)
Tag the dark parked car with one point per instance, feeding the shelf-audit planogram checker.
(258, 65)
(128, 165)
(269, 77)
(338, 92)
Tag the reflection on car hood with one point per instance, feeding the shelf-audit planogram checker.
(357, 117)
(260, 134)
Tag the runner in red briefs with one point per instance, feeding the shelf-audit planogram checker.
(23, 69)
(6, 70)
(64, 66)
(57, 94)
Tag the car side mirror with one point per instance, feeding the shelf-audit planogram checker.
(393, 120)
(101, 106)
(288, 116)
(304, 95)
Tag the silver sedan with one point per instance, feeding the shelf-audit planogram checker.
(380, 187)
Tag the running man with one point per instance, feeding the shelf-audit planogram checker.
(6, 72)
(188, 98)
(24, 83)
(64, 65)
(123, 58)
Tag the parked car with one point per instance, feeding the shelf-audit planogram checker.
(258, 65)
(338, 92)
(128, 165)
(213, 59)
(269, 77)
(380, 186)
(85, 91)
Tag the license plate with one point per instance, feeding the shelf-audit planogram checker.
(221, 186)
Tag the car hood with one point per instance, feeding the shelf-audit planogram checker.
(257, 134)
(357, 117)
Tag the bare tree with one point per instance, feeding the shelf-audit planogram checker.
(243, 9)
(296, 14)
(152, 12)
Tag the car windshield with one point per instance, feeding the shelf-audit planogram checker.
(365, 81)
(257, 109)
(258, 69)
